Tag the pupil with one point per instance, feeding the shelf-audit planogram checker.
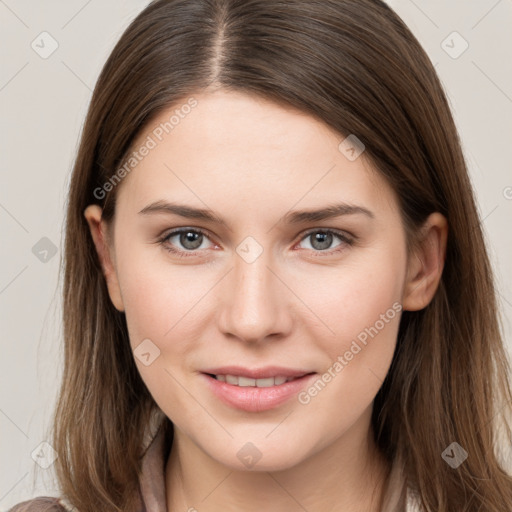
(189, 240)
(324, 240)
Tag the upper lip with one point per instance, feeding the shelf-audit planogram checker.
(258, 373)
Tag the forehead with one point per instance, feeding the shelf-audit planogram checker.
(235, 147)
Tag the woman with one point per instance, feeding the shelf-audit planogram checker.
(276, 292)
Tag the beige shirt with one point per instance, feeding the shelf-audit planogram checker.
(398, 498)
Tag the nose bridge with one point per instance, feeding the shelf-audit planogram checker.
(253, 304)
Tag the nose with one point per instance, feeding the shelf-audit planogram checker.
(254, 303)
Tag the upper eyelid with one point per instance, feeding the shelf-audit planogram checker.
(177, 231)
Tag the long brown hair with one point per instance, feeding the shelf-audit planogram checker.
(356, 66)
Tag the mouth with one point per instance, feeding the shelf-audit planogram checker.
(252, 394)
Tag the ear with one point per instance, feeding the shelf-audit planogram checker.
(98, 228)
(426, 263)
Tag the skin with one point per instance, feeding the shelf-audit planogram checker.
(296, 305)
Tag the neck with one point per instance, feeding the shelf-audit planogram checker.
(347, 475)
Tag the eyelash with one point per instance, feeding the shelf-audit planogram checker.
(346, 240)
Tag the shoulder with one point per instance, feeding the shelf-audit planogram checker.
(41, 504)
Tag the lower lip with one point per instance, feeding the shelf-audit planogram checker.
(254, 399)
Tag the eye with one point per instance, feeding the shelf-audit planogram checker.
(190, 239)
(322, 239)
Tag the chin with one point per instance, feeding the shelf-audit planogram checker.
(261, 456)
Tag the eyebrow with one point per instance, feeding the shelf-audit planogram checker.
(182, 210)
(335, 210)
(293, 217)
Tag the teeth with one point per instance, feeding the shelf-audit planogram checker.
(231, 379)
(246, 381)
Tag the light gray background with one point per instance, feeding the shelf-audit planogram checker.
(43, 104)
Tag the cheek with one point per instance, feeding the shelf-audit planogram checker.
(162, 305)
(160, 300)
(360, 307)
(364, 313)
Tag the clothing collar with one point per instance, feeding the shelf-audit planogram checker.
(398, 496)
(152, 478)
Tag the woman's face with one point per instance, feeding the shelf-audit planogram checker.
(257, 283)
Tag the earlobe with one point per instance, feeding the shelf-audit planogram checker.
(98, 230)
(426, 264)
